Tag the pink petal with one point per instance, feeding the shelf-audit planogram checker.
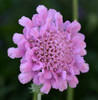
(73, 82)
(83, 52)
(15, 52)
(23, 60)
(78, 37)
(26, 32)
(41, 77)
(58, 19)
(47, 75)
(30, 54)
(27, 45)
(34, 32)
(66, 24)
(70, 73)
(34, 20)
(36, 80)
(55, 75)
(55, 84)
(62, 85)
(41, 9)
(64, 75)
(74, 27)
(50, 18)
(25, 77)
(37, 66)
(84, 68)
(26, 67)
(51, 12)
(21, 44)
(79, 59)
(76, 70)
(17, 37)
(25, 21)
(46, 88)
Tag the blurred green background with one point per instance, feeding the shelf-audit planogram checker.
(11, 11)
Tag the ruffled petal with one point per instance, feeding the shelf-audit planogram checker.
(47, 75)
(73, 82)
(41, 77)
(41, 8)
(37, 66)
(62, 85)
(76, 70)
(36, 80)
(17, 38)
(25, 21)
(46, 88)
(26, 67)
(34, 32)
(65, 25)
(74, 27)
(25, 77)
(84, 68)
(31, 54)
(21, 44)
(78, 37)
(15, 52)
(58, 19)
(64, 75)
(55, 84)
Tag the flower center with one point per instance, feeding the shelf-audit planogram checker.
(53, 50)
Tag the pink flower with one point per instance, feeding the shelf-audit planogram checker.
(52, 51)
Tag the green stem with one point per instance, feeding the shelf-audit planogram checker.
(70, 91)
(39, 96)
(70, 94)
(75, 9)
(34, 96)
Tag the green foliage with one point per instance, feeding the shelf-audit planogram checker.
(35, 88)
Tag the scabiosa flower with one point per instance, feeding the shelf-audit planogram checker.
(52, 51)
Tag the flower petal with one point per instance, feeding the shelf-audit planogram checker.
(41, 8)
(66, 24)
(41, 77)
(36, 80)
(30, 54)
(62, 85)
(25, 77)
(74, 27)
(73, 82)
(46, 88)
(26, 67)
(15, 52)
(25, 21)
(84, 68)
(34, 32)
(64, 75)
(17, 38)
(58, 19)
(37, 66)
(47, 75)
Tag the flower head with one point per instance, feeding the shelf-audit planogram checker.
(52, 51)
